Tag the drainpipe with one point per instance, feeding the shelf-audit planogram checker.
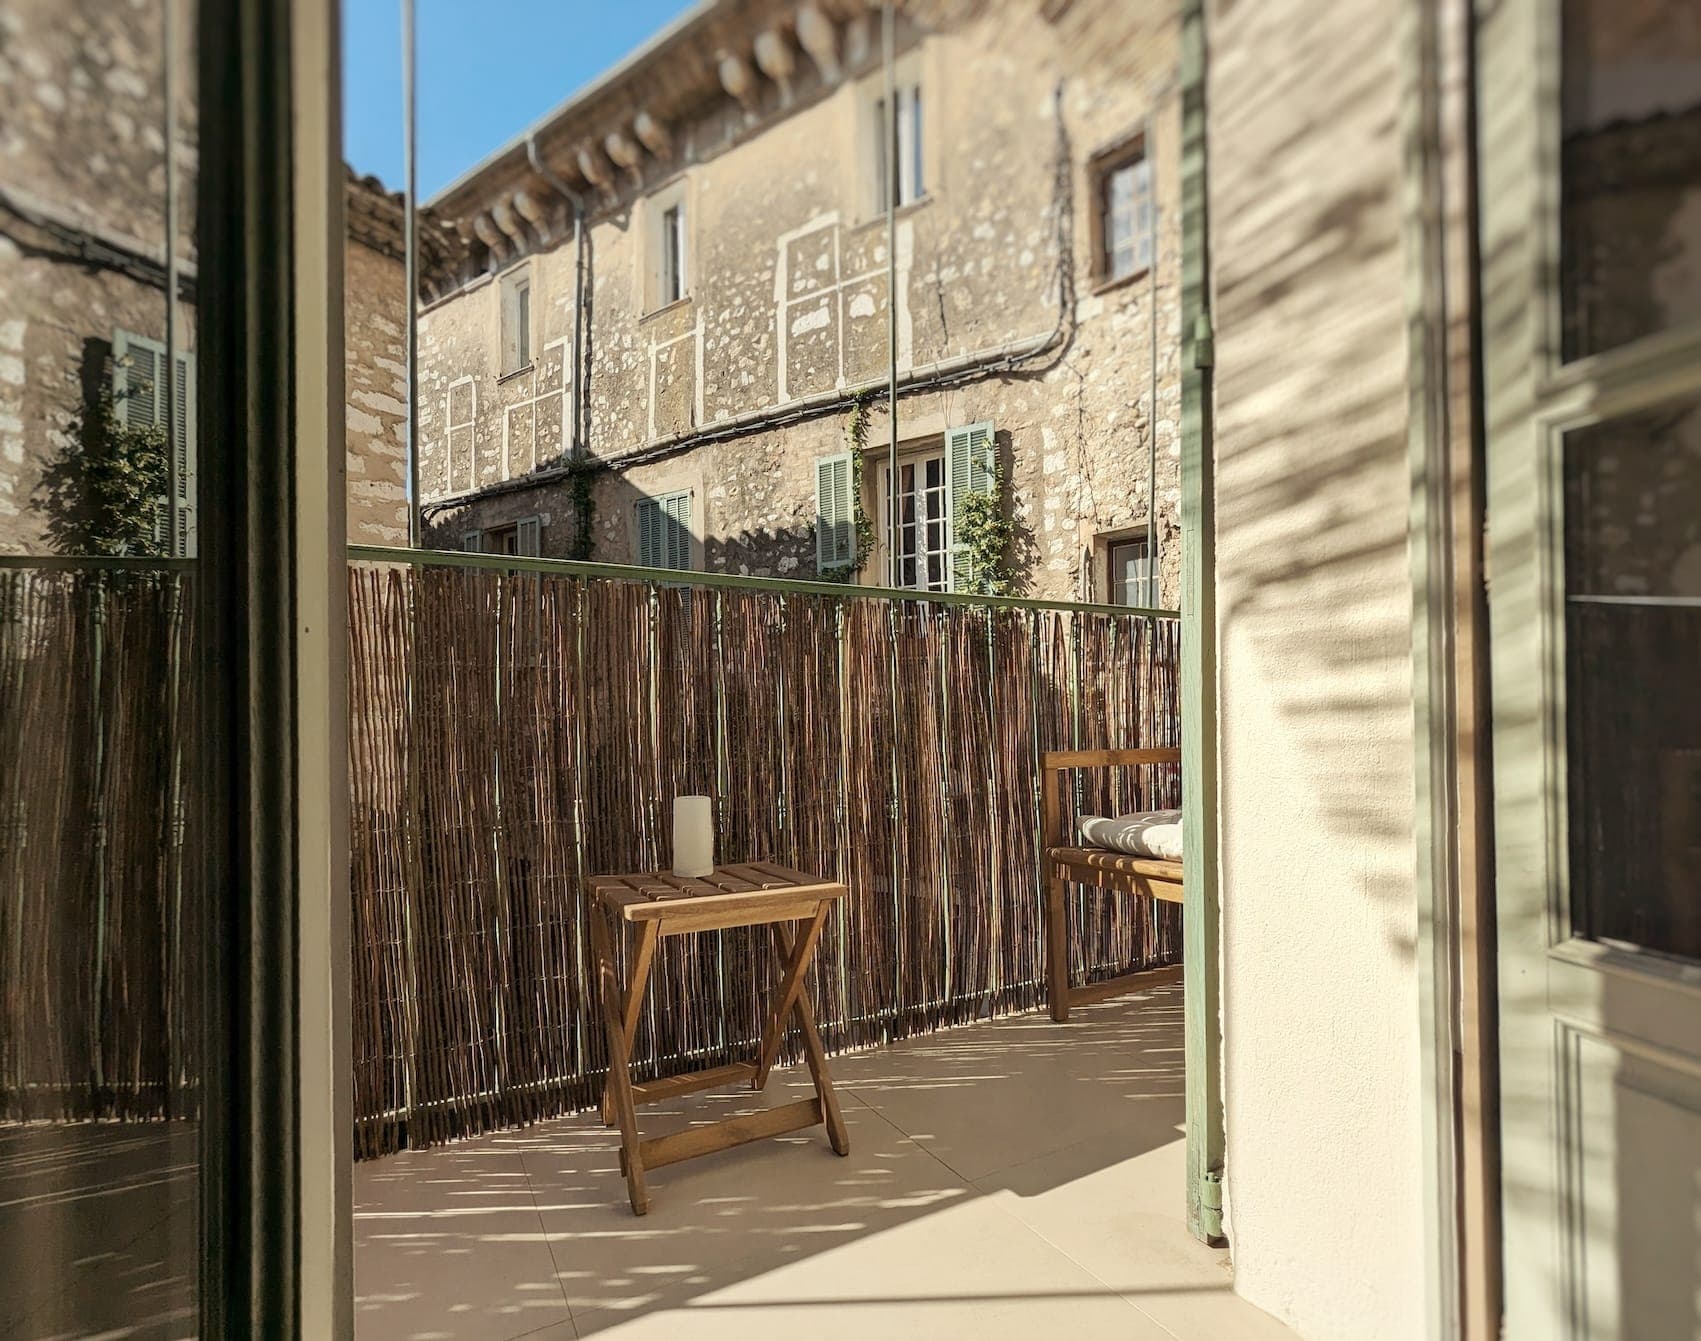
(576, 448)
(410, 265)
(1152, 412)
(893, 175)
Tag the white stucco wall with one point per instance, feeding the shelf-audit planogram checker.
(1321, 1055)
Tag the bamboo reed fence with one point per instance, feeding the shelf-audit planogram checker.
(513, 731)
(98, 910)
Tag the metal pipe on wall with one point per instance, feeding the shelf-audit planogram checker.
(410, 134)
(888, 40)
(1152, 411)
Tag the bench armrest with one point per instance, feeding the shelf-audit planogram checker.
(1055, 763)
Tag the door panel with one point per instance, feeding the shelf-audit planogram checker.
(1590, 159)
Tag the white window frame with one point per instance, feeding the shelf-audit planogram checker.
(922, 554)
(667, 246)
(518, 319)
(914, 157)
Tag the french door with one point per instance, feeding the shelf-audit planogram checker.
(1589, 151)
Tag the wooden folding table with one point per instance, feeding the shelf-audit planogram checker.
(643, 908)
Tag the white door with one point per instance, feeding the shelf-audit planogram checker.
(1590, 180)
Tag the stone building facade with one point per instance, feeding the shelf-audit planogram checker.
(84, 275)
(717, 201)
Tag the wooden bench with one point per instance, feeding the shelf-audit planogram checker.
(1066, 862)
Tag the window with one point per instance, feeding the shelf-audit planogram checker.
(1124, 219)
(523, 539)
(673, 254)
(1130, 572)
(516, 321)
(664, 531)
(912, 180)
(923, 557)
(669, 278)
(138, 368)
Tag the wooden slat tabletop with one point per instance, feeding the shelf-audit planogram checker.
(643, 896)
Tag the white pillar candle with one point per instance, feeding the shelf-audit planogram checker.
(693, 837)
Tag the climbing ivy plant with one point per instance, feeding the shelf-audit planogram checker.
(103, 491)
(987, 533)
(856, 438)
(584, 505)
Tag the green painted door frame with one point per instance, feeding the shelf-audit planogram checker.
(1201, 911)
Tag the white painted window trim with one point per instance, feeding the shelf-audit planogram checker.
(450, 424)
(657, 206)
(910, 74)
(509, 328)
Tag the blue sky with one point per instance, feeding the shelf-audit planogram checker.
(487, 70)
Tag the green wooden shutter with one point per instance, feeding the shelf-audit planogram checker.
(835, 517)
(664, 531)
(472, 542)
(969, 469)
(528, 537)
(184, 454)
(649, 533)
(137, 363)
(677, 530)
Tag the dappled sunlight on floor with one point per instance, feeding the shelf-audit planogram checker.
(1011, 1178)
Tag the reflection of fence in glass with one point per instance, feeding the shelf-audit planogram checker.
(97, 900)
(513, 731)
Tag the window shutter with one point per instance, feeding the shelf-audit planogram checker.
(472, 542)
(835, 522)
(968, 470)
(184, 455)
(528, 537)
(677, 510)
(136, 365)
(649, 533)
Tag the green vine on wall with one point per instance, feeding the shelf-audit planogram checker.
(987, 532)
(584, 505)
(103, 491)
(856, 438)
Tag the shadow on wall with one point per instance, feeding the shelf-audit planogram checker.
(102, 492)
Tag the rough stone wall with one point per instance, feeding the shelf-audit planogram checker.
(1320, 1013)
(788, 299)
(82, 255)
(375, 372)
(82, 232)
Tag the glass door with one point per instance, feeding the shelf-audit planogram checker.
(1590, 165)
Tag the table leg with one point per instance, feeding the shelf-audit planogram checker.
(790, 985)
(816, 1055)
(619, 1058)
(643, 956)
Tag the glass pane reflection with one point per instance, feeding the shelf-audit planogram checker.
(1633, 643)
(1631, 191)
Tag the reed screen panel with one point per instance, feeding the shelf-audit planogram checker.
(514, 731)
